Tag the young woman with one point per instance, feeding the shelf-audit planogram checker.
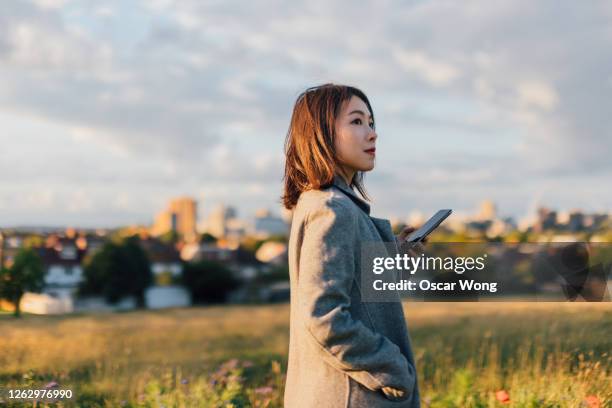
(342, 352)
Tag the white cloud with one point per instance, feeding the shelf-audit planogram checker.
(51, 4)
(104, 11)
(537, 94)
(435, 72)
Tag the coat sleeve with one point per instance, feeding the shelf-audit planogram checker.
(327, 268)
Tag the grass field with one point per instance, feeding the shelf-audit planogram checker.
(540, 354)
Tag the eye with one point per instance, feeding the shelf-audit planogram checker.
(357, 121)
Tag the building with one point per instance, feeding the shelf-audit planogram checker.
(61, 258)
(167, 269)
(180, 216)
(488, 211)
(576, 221)
(1, 250)
(205, 251)
(546, 220)
(266, 224)
(219, 220)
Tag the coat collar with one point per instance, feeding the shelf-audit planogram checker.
(382, 225)
(340, 183)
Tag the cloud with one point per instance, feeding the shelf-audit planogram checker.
(537, 95)
(437, 73)
(196, 96)
(51, 4)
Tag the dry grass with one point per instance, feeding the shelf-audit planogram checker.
(543, 354)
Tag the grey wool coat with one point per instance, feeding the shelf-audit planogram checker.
(342, 351)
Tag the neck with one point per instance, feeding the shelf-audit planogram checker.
(346, 174)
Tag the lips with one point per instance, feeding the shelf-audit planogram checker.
(371, 151)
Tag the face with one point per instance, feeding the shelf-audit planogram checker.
(355, 137)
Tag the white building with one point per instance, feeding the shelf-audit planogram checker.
(266, 224)
(63, 274)
(217, 222)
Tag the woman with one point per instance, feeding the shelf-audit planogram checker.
(342, 352)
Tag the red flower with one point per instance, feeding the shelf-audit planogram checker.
(593, 402)
(502, 396)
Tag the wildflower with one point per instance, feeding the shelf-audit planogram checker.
(52, 384)
(184, 381)
(592, 401)
(226, 367)
(502, 396)
(231, 364)
(264, 390)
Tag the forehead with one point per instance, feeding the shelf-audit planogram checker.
(355, 103)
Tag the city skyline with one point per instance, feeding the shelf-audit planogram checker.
(172, 217)
(110, 109)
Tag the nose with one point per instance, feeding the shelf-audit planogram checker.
(372, 136)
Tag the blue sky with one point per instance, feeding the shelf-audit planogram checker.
(110, 108)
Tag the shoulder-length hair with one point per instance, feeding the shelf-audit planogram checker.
(310, 156)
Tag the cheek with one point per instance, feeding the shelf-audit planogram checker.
(343, 144)
(348, 143)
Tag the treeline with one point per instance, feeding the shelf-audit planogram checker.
(120, 268)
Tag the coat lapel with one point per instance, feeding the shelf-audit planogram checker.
(341, 185)
(382, 225)
(384, 229)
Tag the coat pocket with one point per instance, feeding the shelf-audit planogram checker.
(360, 396)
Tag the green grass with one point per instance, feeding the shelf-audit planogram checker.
(542, 354)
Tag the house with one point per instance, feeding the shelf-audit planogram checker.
(61, 258)
(167, 269)
(242, 262)
(198, 251)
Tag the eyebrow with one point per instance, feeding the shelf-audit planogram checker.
(360, 112)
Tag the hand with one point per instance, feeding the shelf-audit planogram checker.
(394, 394)
(415, 248)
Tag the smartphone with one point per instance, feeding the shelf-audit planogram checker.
(429, 226)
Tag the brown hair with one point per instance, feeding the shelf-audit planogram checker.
(311, 161)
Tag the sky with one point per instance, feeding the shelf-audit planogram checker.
(108, 109)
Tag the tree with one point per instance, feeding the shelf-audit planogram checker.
(208, 281)
(33, 241)
(283, 238)
(208, 238)
(27, 274)
(277, 274)
(118, 270)
(171, 237)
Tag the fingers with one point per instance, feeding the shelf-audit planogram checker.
(414, 249)
(393, 392)
(405, 232)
